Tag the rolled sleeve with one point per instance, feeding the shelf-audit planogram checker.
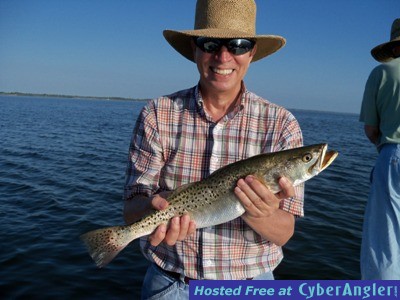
(145, 157)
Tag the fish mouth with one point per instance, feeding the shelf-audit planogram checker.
(326, 158)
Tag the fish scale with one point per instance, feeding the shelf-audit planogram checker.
(212, 201)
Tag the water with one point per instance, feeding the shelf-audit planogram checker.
(62, 164)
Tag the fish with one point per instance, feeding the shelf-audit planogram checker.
(212, 201)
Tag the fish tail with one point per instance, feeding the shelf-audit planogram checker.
(105, 244)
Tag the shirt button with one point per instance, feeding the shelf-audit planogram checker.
(218, 128)
(208, 263)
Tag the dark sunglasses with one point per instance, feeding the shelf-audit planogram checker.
(234, 46)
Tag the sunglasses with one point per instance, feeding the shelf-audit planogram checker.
(234, 46)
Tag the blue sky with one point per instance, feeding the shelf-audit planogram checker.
(116, 48)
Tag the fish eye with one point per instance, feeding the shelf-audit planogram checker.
(307, 157)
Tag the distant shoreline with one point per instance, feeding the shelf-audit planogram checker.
(18, 94)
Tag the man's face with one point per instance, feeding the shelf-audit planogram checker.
(221, 72)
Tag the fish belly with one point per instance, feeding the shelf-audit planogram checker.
(221, 211)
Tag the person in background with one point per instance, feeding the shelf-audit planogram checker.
(186, 136)
(380, 112)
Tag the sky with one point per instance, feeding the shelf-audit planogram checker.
(115, 48)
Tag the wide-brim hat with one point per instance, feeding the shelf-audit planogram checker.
(384, 52)
(224, 19)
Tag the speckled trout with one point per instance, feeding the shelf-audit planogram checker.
(212, 201)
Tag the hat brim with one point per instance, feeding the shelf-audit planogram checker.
(384, 52)
(180, 41)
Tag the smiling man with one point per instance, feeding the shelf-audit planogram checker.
(186, 136)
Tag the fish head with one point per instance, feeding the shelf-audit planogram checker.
(310, 161)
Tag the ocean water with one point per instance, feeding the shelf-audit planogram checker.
(62, 165)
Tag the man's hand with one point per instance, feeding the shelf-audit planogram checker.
(262, 209)
(372, 133)
(178, 229)
(258, 200)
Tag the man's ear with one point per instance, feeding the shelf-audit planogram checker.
(253, 51)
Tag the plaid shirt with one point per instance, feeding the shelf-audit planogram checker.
(176, 142)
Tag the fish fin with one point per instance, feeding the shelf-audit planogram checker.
(261, 179)
(273, 188)
(104, 244)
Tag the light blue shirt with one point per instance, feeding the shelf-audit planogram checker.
(381, 102)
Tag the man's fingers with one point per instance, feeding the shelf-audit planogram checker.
(184, 227)
(287, 189)
(173, 231)
(158, 235)
(192, 227)
(179, 228)
(158, 202)
(252, 193)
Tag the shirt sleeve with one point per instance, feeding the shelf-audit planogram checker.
(145, 158)
(369, 114)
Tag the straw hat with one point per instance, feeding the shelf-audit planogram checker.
(384, 52)
(224, 19)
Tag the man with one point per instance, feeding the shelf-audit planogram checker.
(380, 111)
(186, 136)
